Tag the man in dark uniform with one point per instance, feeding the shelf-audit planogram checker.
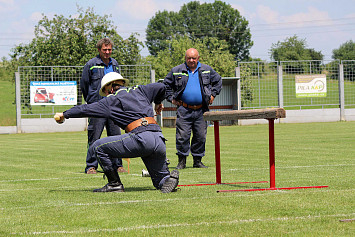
(93, 72)
(131, 109)
(192, 87)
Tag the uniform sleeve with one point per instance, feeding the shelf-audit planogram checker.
(216, 83)
(155, 92)
(100, 109)
(169, 84)
(85, 81)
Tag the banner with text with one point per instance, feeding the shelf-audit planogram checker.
(311, 85)
(53, 93)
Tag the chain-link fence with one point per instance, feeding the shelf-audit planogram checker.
(137, 74)
(349, 81)
(273, 84)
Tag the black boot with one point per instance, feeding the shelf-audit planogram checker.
(182, 162)
(198, 163)
(171, 183)
(114, 182)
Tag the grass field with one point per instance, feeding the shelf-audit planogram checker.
(44, 191)
(7, 102)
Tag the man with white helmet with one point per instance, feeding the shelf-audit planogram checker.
(111, 82)
(131, 109)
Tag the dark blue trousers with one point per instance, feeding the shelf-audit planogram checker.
(95, 129)
(148, 145)
(187, 121)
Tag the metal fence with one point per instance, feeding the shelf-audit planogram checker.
(262, 85)
(272, 84)
(137, 74)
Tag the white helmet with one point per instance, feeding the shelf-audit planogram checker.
(110, 77)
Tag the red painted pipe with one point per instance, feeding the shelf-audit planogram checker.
(217, 152)
(272, 153)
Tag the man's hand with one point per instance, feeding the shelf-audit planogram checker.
(158, 108)
(59, 118)
(211, 100)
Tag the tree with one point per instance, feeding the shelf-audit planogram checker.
(72, 41)
(198, 21)
(293, 49)
(212, 51)
(346, 51)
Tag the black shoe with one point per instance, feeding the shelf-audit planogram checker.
(171, 183)
(198, 163)
(111, 187)
(182, 163)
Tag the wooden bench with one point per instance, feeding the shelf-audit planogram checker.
(270, 115)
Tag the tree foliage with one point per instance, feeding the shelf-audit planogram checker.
(72, 41)
(293, 49)
(198, 21)
(212, 51)
(346, 51)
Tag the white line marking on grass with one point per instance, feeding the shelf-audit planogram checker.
(174, 200)
(145, 227)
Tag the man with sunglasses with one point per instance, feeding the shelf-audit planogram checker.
(93, 72)
(131, 109)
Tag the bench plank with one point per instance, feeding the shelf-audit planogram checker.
(272, 113)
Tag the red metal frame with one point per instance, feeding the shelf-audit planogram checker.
(217, 152)
(266, 189)
(271, 165)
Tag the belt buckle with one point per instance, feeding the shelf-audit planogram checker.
(144, 122)
(195, 106)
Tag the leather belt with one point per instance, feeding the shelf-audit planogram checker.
(140, 122)
(195, 107)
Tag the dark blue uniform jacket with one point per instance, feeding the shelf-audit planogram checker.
(90, 83)
(176, 81)
(126, 106)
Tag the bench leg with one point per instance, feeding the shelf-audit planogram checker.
(272, 152)
(217, 152)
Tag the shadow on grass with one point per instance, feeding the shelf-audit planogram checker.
(126, 189)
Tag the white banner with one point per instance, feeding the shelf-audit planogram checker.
(53, 93)
(311, 85)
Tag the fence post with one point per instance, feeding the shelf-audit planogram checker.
(159, 117)
(152, 76)
(280, 87)
(341, 92)
(239, 100)
(18, 101)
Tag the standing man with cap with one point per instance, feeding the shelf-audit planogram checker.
(131, 109)
(192, 87)
(93, 72)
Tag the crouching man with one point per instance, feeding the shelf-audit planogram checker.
(131, 109)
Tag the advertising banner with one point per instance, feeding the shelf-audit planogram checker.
(53, 93)
(311, 85)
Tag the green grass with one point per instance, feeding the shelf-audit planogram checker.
(44, 191)
(7, 102)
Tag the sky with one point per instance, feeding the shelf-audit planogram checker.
(324, 24)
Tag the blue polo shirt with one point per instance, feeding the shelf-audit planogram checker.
(192, 93)
(109, 67)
